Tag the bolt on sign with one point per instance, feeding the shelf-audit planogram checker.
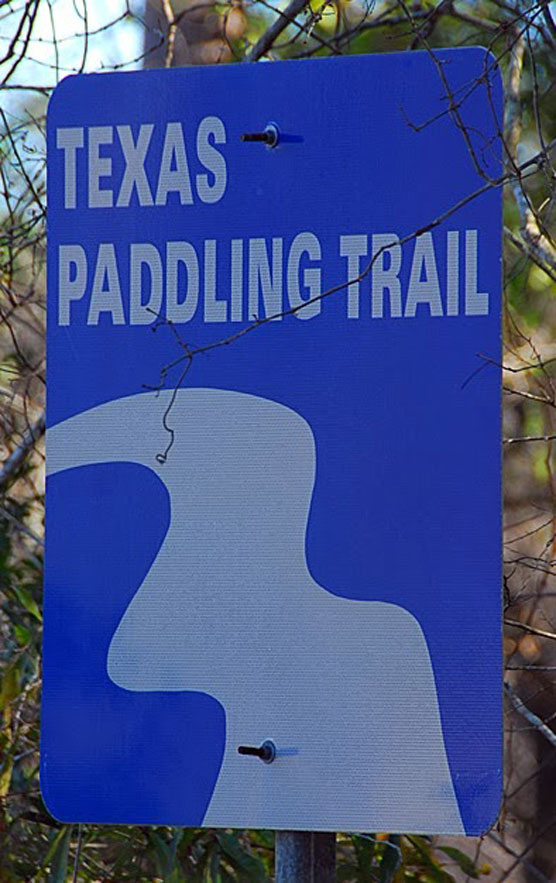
(273, 446)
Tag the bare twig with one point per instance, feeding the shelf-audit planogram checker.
(529, 715)
(19, 456)
(285, 18)
(532, 630)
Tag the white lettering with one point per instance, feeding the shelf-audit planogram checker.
(134, 157)
(144, 254)
(72, 260)
(476, 302)
(181, 253)
(386, 278)
(452, 273)
(270, 282)
(109, 299)
(212, 159)
(99, 167)
(353, 248)
(215, 310)
(70, 141)
(423, 290)
(237, 280)
(304, 243)
(174, 170)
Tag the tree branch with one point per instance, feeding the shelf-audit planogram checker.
(18, 457)
(529, 716)
(284, 19)
(538, 244)
(515, 623)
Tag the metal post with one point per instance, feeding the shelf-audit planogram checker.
(305, 857)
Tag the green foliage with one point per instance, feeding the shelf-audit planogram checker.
(57, 856)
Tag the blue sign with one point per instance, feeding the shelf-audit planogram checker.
(272, 593)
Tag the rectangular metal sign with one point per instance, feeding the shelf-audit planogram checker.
(273, 551)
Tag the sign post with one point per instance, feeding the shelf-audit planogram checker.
(305, 856)
(272, 593)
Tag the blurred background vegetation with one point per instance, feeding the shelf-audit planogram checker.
(40, 42)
